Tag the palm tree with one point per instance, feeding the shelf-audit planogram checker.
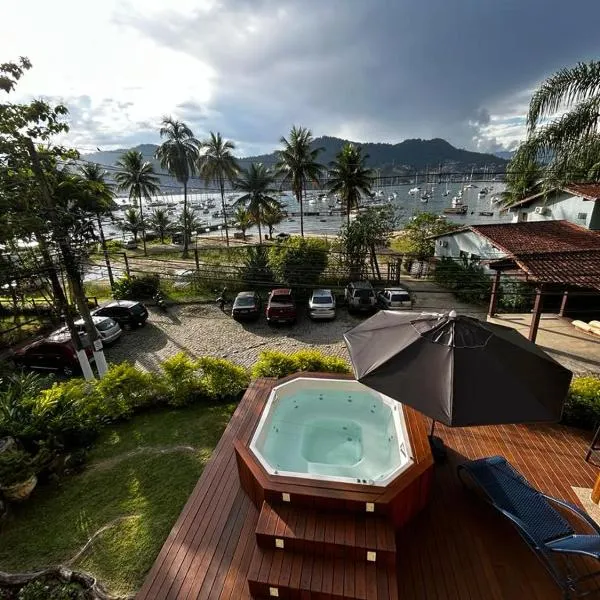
(243, 220)
(102, 206)
(350, 177)
(137, 177)
(190, 223)
(179, 155)
(298, 164)
(272, 216)
(132, 223)
(569, 143)
(161, 222)
(257, 184)
(217, 164)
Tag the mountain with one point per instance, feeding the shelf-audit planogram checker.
(506, 155)
(392, 159)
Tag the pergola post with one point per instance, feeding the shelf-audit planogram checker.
(563, 304)
(494, 296)
(537, 313)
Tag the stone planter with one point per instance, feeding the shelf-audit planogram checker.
(20, 491)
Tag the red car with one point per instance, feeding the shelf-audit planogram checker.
(281, 307)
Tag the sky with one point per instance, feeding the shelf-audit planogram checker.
(365, 70)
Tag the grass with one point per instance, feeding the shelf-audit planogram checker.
(139, 475)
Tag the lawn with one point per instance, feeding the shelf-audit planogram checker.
(138, 477)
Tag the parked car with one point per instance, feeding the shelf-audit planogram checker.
(130, 245)
(55, 353)
(321, 305)
(360, 296)
(127, 313)
(246, 306)
(108, 329)
(282, 236)
(395, 299)
(281, 307)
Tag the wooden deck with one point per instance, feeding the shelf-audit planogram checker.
(458, 548)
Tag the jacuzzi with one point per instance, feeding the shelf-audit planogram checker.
(332, 430)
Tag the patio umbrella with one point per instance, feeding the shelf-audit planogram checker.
(458, 370)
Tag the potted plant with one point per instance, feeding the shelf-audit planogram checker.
(17, 475)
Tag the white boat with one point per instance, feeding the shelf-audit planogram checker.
(456, 202)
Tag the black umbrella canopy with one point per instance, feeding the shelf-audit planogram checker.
(458, 370)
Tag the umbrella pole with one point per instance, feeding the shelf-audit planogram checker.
(438, 448)
(432, 428)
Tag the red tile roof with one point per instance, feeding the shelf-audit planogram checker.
(588, 191)
(549, 251)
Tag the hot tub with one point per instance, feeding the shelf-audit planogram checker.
(332, 429)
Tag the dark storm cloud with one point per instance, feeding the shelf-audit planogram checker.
(374, 69)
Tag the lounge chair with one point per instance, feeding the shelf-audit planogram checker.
(538, 522)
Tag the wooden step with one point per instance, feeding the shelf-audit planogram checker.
(359, 537)
(297, 576)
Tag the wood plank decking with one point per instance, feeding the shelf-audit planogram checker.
(458, 548)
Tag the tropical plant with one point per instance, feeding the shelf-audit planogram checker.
(273, 363)
(419, 232)
(350, 177)
(272, 216)
(297, 164)
(161, 222)
(136, 176)
(179, 155)
(190, 223)
(299, 261)
(522, 180)
(256, 270)
(257, 182)
(243, 220)
(132, 222)
(217, 164)
(16, 466)
(103, 204)
(568, 144)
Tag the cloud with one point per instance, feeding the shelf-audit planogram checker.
(383, 70)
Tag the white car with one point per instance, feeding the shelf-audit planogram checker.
(395, 299)
(321, 305)
(108, 329)
(182, 278)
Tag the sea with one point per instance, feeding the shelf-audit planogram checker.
(322, 220)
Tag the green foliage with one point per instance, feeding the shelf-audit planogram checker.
(221, 379)
(466, 279)
(52, 590)
(136, 288)
(16, 466)
(582, 406)
(299, 261)
(256, 270)
(182, 380)
(114, 245)
(515, 296)
(419, 231)
(272, 363)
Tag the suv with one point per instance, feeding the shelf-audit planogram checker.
(54, 353)
(395, 299)
(127, 313)
(360, 296)
(321, 305)
(281, 307)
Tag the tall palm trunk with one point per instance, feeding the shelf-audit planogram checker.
(105, 252)
(185, 222)
(222, 186)
(143, 225)
(259, 231)
(301, 203)
(348, 210)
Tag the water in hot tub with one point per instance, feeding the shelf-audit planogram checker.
(333, 433)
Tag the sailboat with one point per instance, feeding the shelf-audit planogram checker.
(416, 189)
(447, 192)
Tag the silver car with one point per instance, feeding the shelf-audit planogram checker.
(395, 299)
(109, 330)
(321, 305)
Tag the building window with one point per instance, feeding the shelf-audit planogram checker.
(582, 216)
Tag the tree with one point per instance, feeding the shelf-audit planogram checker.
(272, 216)
(297, 164)
(568, 145)
(217, 164)
(420, 229)
(102, 206)
(136, 176)
(360, 239)
(191, 221)
(349, 177)
(243, 220)
(255, 270)
(179, 155)
(161, 222)
(522, 180)
(299, 261)
(132, 223)
(257, 182)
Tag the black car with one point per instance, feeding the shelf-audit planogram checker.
(246, 306)
(127, 313)
(54, 353)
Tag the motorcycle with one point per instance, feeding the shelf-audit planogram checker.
(222, 300)
(159, 299)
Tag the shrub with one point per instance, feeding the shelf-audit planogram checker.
(272, 363)
(16, 466)
(181, 379)
(298, 261)
(136, 288)
(52, 590)
(256, 270)
(221, 378)
(582, 407)
(114, 245)
(467, 280)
